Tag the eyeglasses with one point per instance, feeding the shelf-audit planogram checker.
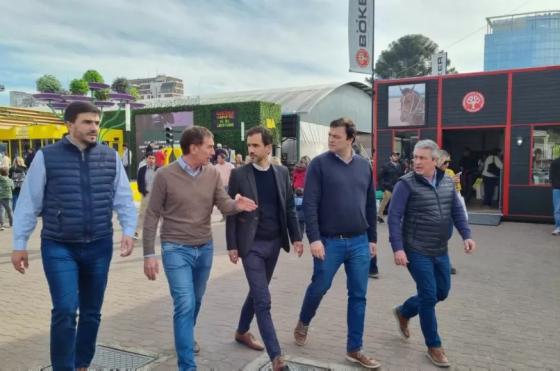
(446, 162)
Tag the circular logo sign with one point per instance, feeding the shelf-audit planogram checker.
(362, 57)
(473, 101)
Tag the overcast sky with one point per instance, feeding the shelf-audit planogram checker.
(229, 45)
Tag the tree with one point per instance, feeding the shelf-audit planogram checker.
(120, 85)
(79, 87)
(133, 90)
(48, 84)
(102, 94)
(93, 76)
(409, 56)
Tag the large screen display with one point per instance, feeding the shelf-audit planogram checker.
(407, 105)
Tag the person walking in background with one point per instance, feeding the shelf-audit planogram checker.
(443, 164)
(224, 169)
(388, 176)
(239, 160)
(160, 156)
(6, 189)
(126, 159)
(491, 171)
(17, 174)
(145, 179)
(300, 169)
(555, 183)
(29, 155)
(423, 202)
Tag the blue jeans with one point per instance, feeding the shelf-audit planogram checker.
(77, 277)
(433, 281)
(556, 204)
(187, 269)
(354, 254)
(259, 264)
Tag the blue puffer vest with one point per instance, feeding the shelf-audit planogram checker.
(78, 200)
(428, 214)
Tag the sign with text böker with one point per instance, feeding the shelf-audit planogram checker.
(360, 35)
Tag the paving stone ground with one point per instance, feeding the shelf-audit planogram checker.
(503, 312)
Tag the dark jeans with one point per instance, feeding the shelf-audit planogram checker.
(259, 266)
(77, 276)
(433, 281)
(355, 255)
(489, 186)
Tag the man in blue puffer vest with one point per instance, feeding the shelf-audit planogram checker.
(75, 184)
(423, 204)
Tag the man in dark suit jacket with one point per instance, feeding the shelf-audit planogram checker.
(256, 237)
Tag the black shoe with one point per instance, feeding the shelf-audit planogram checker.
(373, 275)
(453, 270)
(380, 220)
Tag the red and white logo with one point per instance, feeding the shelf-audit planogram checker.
(362, 57)
(473, 101)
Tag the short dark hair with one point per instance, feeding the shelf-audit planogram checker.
(222, 155)
(194, 135)
(75, 108)
(266, 135)
(348, 125)
(150, 154)
(4, 172)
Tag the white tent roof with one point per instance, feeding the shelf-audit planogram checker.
(292, 100)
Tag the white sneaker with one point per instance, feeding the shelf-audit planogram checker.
(556, 232)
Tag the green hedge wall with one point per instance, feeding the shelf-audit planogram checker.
(251, 113)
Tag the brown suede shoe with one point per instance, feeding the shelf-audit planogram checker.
(402, 323)
(278, 364)
(438, 357)
(300, 334)
(196, 348)
(362, 359)
(249, 340)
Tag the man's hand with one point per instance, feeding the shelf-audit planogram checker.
(20, 261)
(400, 258)
(233, 256)
(470, 245)
(373, 249)
(298, 248)
(456, 179)
(244, 203)
(127, 244)
(151, 267)
(318, 250)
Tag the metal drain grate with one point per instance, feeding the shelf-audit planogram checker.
(262, 363)
(116, 359)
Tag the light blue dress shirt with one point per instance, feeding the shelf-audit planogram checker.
(192, 172)
(30, 201)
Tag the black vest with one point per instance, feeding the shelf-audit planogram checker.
(428, 214)
(79, 192)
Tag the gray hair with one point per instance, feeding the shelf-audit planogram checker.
(428, 144)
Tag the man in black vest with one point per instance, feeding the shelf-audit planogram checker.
(75, 184)
(257, 236)
(424, 202)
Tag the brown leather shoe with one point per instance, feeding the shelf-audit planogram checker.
(249, 340)
(300, 334)
(362, 359)
(278, 364)
(438, 357)
(402, 323)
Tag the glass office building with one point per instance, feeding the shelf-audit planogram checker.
(522, 40)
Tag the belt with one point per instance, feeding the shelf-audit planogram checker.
(344, 236)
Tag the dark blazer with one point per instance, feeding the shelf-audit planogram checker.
(241, 228)
(141, 180)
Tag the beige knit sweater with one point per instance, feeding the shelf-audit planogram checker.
(184, 203)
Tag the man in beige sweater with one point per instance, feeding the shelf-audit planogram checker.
(183, 196)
